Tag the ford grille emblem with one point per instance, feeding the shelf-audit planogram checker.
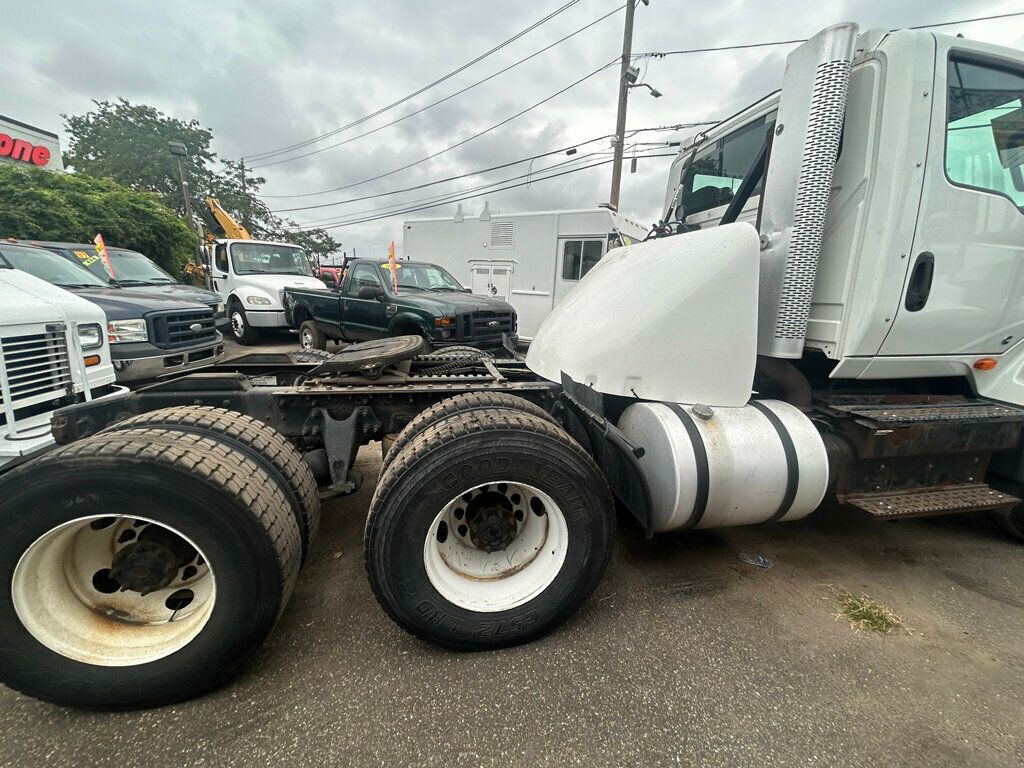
(492, 324)
(196, 327)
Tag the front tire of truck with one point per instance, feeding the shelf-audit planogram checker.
(139, 568)
(311, 337)
(241, 331)
(488, 530)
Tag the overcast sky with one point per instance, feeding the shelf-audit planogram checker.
(263, 75)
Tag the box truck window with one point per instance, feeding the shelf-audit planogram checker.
(579, 257)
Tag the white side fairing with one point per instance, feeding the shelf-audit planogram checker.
(673, 319)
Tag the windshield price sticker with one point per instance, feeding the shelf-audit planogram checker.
(87, 259)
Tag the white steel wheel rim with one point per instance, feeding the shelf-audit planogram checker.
(237, 323)
(306, 339)
(487, 582)
(63, 604)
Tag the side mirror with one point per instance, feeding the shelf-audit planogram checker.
(328, 280)
(369, 292)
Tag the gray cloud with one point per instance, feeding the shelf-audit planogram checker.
(266, 74)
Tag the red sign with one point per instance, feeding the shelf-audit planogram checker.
(19, 149)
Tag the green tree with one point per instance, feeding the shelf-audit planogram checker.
(43, 205)
(128, 143)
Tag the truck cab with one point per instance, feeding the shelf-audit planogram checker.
(920, 266)
(250, 277)
(53, 352)
(422, 299)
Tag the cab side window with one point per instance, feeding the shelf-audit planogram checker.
(220, 258)
(579, 257)
(716, 172)
(985, 127)
(363, 275)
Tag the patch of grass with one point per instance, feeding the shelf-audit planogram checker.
(863, 613)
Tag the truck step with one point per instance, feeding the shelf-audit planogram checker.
(892, 415)
(933, 501)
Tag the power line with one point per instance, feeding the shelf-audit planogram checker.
(481, 57)
(346, 223)
(457, 144)
(501, 166)
(364, 220)
(481, 194)
(450, 193)
(439, 101)
(449, 178)
(744, 46)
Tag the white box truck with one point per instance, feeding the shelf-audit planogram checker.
(531, 260)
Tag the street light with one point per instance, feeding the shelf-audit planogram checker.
(654, 91)
(179, 150)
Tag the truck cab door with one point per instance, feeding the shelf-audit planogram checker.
(362, 317)
(220, 270)
(965, 275)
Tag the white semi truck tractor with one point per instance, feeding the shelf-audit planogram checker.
(833, 307)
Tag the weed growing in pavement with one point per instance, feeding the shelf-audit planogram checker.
(863, 613)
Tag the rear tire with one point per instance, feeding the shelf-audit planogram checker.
(65, 512)
(258, 442)
(535, 491)
(453, 406)
(241, 331)
(311, 337)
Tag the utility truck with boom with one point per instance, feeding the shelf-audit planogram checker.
(250, 275)
(832, 307)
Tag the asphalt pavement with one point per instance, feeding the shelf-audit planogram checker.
(685, 655)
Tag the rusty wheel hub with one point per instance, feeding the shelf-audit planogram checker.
(492, 521)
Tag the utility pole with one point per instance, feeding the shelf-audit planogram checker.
(245, 196)
(620, 119)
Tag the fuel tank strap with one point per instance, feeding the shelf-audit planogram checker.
(792, 464)
(700, 458)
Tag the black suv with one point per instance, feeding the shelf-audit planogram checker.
(149, 335)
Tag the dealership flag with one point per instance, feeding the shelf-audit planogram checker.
(101, 250)
(394, 266)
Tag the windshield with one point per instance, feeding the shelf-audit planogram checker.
(50, 267)
(423, 276)
(267, 259)
(130, 267)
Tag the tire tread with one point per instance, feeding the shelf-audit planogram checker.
(259, 437)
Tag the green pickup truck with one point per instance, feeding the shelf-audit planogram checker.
(428, 302)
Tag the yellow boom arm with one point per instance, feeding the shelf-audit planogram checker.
(232, 229)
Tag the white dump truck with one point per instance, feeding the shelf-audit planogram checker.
(840, 318)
